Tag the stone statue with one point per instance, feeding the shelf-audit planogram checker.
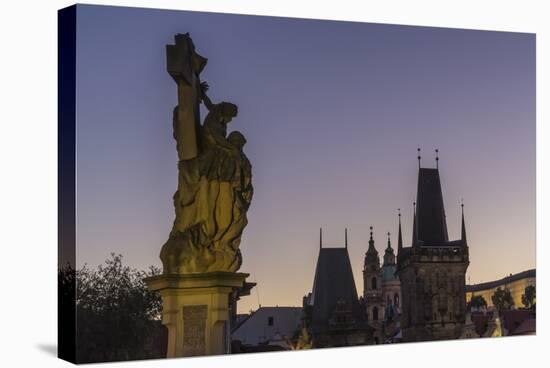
(214, 175)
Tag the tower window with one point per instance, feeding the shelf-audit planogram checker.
(396, 300)
(270, 321)
(373, 282)
(375, 314)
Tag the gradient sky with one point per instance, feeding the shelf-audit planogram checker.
(333, 113)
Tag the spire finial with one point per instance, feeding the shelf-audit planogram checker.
(371, 241)
(419, 157)
(320, 237)
(389, 241)
(346, 237)
(436, 158)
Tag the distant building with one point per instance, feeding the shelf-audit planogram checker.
(333, 315)
(432, 270)
(267, 329)
(381, 292)
(515, 283)
(420, 296)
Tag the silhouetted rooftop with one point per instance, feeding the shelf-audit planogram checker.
(513, 319)
(333, 281)
(430, 211)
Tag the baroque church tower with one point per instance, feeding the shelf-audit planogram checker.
(432, 270)
(391, 286)
(372, 290)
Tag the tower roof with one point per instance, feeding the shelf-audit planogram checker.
(389, 256)
(431, 225)
(333, 282)
(371, 257)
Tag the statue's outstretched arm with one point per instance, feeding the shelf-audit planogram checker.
(207, 102)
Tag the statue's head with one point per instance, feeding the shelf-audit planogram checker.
(227, 111)
(237, 139)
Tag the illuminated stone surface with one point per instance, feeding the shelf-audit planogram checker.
(199, 285)
(196, 310)
(214, 175)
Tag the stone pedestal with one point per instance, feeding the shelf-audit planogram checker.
(196, 310)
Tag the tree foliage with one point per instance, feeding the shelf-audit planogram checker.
(529, 297)
(477, 302)
(301, 340)
(502, 299)
(66, 324)
(117, 317)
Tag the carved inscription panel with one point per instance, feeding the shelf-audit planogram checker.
(194, 330)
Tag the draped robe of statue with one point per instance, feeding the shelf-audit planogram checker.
(214, 180)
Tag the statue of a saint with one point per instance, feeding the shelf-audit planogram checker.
(214, 181)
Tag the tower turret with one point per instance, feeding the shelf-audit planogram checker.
(389, 256)
(372, 260)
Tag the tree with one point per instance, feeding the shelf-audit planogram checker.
(502, 299)
(477, 302)
(529, 298)
(117, 317)
(66, 309)
(301, 340)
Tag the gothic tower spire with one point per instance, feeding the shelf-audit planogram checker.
(399, 235)
(463, 232)
(414, 224)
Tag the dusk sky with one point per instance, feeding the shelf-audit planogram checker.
(333, 113)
